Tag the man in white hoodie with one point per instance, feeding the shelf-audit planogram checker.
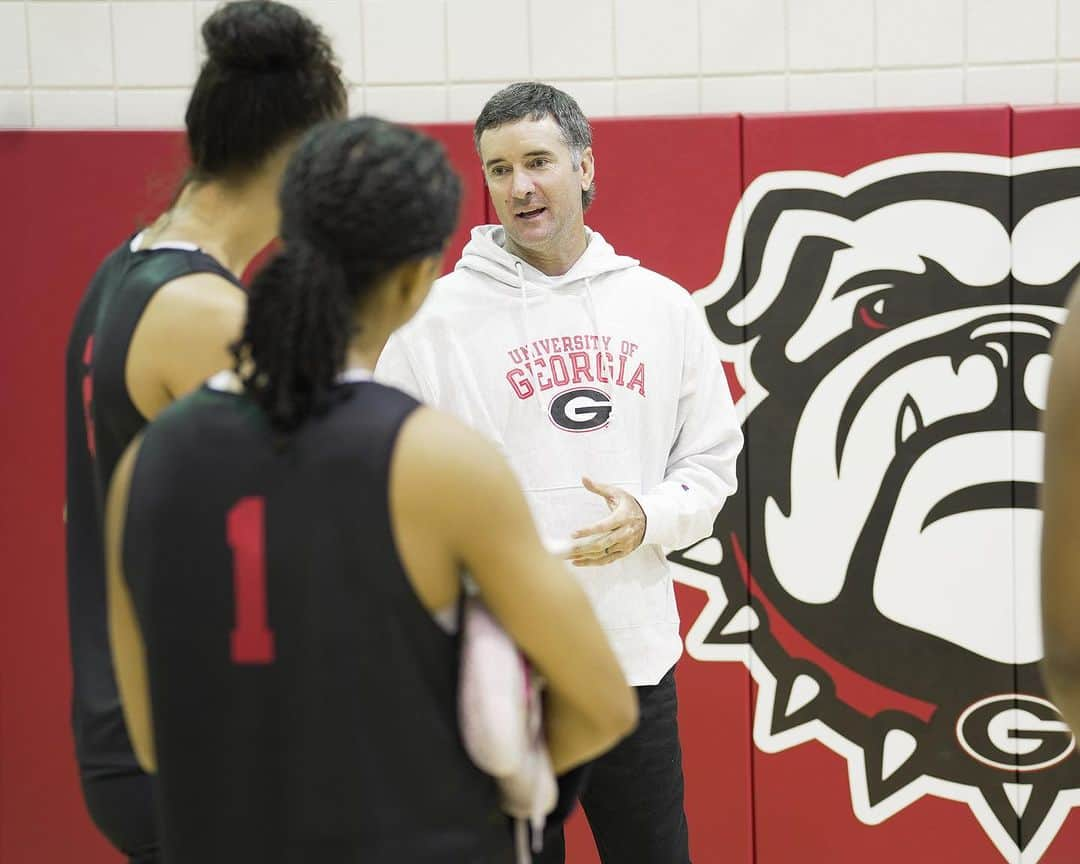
(601, 382)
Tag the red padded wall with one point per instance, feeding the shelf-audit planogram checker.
(668, 191)
(802, 797)
(78, 195)
(71, 198)
(666, 198)
(1043, 130)
(1055, 127)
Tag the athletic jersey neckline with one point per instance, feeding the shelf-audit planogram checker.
(179, 245)
(227, 381)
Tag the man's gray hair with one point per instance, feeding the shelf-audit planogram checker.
(536, 101)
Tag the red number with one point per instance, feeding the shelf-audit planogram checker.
(252, 640)
(88, 394)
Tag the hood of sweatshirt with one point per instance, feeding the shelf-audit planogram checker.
(485, 254)
(521, 283)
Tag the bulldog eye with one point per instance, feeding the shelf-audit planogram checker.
(871, 312)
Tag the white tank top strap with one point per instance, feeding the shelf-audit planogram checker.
(225, 381)
(447, 619)
(354, 375)
(175, 244)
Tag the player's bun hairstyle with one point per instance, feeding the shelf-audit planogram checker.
(360, 197)
(269, 75)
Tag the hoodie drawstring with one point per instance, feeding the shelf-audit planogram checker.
(530, 367)
(594, 319)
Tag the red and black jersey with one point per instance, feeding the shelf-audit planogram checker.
(304, 702)
(101, 422)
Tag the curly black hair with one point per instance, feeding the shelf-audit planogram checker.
(359, 198)
(269, 75)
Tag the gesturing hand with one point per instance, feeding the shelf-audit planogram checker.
(613, 537)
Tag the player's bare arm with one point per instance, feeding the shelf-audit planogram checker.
(183, 338)
(1061, 515)
(125, 637)
(456, 504)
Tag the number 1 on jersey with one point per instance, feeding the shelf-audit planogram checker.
(252, 640)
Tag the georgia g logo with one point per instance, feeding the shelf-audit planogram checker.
(891, 330)
(1015, 733)
(581, 409)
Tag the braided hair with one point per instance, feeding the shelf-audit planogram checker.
(359, 198)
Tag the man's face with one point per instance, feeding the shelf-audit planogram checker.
(535, 183)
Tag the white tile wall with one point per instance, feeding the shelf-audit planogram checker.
(466, 100)
(920, 32)
(408, 104)
(342, 20)
(94, 63)
(1069, 29)
(74, 109)
(14, 62)
(1018, 85)
(742, 36)
(569, 38)
(357, 102)
(203, 9)
(1069, 82)
(654, 38)
(405, 43)
(152, 109)
(652, 96)
(1004, 30)
(747, 94)
(842, 90)
(146, 62)
(70, 44)
(596, 98)
(14, 109)
(831, 34)
(908, 88)
(488, 41)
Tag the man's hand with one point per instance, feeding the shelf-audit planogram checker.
(611, 538)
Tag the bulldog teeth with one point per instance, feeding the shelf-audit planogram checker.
(908, 421)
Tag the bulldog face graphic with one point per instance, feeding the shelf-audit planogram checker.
(891, 330)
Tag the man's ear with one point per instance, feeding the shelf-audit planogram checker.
(587, 165)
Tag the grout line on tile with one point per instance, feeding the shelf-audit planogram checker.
(1057, 51)
(700, 63)
(787, 54)
(446, 55)
(874, 43)
(614, 58)
(964, 54)
(29, 64)
(112, 56)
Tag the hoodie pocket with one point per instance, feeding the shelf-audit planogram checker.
(631, 592)
(560, 511)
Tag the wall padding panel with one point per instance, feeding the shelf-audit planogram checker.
(858, 681)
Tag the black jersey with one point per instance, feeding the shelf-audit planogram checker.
(101, 422)
(303, 700)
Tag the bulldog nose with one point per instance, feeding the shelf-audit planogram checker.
(1020, 346)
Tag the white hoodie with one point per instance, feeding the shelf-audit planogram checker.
(497, 343)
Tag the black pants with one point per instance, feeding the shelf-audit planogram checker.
(122, 807)
(633, 797)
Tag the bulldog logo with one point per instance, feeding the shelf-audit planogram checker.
(878, 572)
